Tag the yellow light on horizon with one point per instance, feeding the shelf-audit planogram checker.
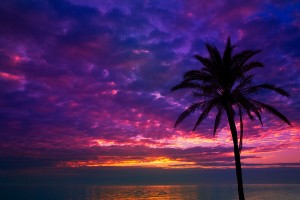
(156, 162)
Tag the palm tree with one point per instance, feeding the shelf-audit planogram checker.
(226, 84)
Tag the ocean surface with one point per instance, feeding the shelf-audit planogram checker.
(163, 192)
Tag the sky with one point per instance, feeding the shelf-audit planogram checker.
(87, 83)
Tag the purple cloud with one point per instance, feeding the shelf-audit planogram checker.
(76, 72)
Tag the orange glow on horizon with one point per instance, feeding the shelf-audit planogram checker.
(156, 162)
(256, 153)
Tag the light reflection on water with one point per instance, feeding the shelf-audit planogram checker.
(169, 192)
(253, 192)
(273, 192)
(149, 192)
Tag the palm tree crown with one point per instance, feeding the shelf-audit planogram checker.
(226, 83)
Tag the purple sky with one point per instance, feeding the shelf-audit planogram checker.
(88, 84)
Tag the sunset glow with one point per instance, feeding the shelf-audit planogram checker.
(161, 162)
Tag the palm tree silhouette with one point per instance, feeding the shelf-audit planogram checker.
(225, 83)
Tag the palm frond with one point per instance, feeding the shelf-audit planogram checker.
(188, 85)
(202, 94)
(243, 104)
(187, 112)
(205, 61)
(244, 56)
(237, 75)
(274, 88)
(251, 65)
(206, 109)
(257, 113)
(249, 107)
(272, 110)
(218, 119)
(227, 54)
(247, 80)
(197, 75)
(214, 53)
(241, 130)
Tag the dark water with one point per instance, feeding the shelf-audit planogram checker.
(166, 192)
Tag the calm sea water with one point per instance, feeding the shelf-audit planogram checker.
(166, 192)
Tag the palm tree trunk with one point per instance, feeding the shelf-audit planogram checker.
(238, 168)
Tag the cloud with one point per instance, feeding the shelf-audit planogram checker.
(90, 82)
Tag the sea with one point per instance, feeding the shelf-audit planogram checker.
(150, 192)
